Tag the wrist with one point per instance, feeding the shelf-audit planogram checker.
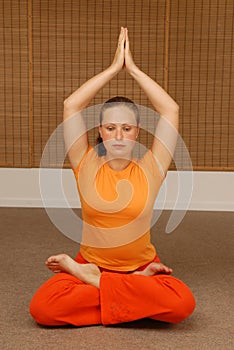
(114, 69)
(133, 71)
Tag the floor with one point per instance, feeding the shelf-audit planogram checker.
(200, 251)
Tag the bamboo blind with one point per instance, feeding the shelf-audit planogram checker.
(50, 47)
(14, 106)
(201, 79)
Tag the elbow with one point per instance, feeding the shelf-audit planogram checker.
(175, 115)
(172, 110)
(72, 106)
(66, 104)
(68, 108)
(70, 103)
(176, 109)
(65, 109)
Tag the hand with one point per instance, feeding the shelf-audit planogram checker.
(129, 64)
(118, 61)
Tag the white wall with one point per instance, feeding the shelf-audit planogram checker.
(208, 190)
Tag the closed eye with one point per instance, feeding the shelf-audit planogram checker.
(127, 128)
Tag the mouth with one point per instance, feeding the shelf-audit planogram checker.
(118, 145)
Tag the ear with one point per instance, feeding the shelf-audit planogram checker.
(100, 130)
(138, 129)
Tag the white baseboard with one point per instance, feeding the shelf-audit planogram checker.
(211, 191)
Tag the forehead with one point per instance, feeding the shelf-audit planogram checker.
(119, 115)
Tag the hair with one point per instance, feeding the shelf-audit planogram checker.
(113, 102)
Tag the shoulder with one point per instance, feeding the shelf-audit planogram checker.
(89, 158)
(150, 163)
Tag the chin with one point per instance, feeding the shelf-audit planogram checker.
(116, 150)
(120, 153)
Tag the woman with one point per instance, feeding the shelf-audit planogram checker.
(117, 275)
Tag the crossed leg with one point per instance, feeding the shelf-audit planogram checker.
(90, 273)
(73, 295)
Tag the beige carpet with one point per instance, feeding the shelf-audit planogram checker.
(200, 251)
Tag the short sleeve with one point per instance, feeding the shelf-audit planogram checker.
(89, 150)
(152, 164)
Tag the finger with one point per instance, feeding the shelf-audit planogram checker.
(47, 263)
(121, 35)
(55, 270)
(52, 264)
(124, 31)
(51, 259)
(126, 39)
(168, 270)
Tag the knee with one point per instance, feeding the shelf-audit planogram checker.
(43, 311)
(39, 311)
(184, 306)
(34, 309)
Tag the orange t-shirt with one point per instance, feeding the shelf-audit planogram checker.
(117, 210)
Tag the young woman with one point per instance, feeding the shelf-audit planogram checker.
(117, 275)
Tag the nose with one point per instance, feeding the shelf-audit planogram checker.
(119, 134)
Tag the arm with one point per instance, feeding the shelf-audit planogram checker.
(166, 133)
(75, 133)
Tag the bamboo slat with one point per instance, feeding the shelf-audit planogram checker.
(51, 47)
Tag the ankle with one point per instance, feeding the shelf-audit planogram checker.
(94, 281)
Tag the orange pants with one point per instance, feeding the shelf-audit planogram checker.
(122, 297)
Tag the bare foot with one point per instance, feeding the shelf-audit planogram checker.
(153, 269)
(88, 273)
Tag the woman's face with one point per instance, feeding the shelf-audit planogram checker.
(119, 131)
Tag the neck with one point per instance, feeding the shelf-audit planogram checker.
(118, 164)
